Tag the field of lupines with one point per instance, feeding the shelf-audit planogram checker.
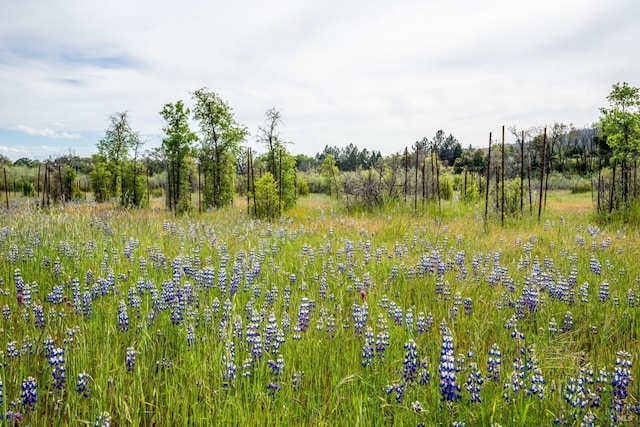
(141, 318)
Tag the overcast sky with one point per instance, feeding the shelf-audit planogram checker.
(378, 74)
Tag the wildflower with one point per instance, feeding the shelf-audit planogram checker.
(123, 316)
(82, 386)
(620, 384)
(494, 363)
(130, 359)
(474, 383)
(468, 306)
(416, 407)
(277, 367)
(410, 362)
(29, 393)
(368, 348)
(567, 324)
(448, 388)
(103, 420)
(38, 316)
(59, 371)
(273, 389)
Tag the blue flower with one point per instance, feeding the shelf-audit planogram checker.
(449, 389)
(130, 359)
(59, 371)
(410, 362)
(82, 386)
(29, 393)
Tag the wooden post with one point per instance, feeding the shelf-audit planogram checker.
(38, 185)
(415, 193)
(60, 182)
(6, 187)
(502, 204)
(486, 200)
(544, 149)
(248, 180)
(521, 170)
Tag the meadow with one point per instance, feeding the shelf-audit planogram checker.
(323, 318)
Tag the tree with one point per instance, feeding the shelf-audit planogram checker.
(269, 136)
(220, 144)
(113, 149)
(176, 147)
(278, 160)
(620, 123)
(330, 175)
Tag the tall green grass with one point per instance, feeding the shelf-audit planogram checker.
(178, 382)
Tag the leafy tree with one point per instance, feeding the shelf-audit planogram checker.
(279, 162)
(620, 123)
(221, 136)
(101, 180)
(330, 174)
(176, 147)
(267, 197)
(113, 150)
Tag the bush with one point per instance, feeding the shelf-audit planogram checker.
(267, 203)
(446, 189)
(303, 187)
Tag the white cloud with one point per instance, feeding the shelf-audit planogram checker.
(48, 133)
(12, 150)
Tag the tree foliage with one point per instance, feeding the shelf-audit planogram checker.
(620, 123)
(176, 148)
(114, 151)
(221, 136)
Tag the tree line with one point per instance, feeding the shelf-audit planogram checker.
(211, 162)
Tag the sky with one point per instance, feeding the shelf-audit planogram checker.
(378, 74)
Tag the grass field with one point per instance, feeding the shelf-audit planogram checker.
(323, 318)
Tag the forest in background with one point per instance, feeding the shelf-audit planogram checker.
(208, 167)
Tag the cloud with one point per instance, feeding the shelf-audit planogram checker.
(48, 133)
(12, 150)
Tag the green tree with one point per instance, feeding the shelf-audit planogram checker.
(267, 197)
(620, 123)
(221, 136)
(176, 148)
(279, 161)
(114, 149)
(330, 174)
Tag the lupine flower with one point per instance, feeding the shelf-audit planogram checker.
(398, 389)
(620, 384)
(29, 393)
(130, 359)
(103, 420)
(603, 292)
(12, 349)
(410, 364)
(82, 386)
(448, 388)
(494, 363)
(277, 367)
(567, 324)
(38, 316)
(273, 388)
(123, 316)
(474, 383)
(59, 371)
(368, 348)
(553, 326)
(595, 267)
(468, 306)
(416, 407)
(425, 377)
